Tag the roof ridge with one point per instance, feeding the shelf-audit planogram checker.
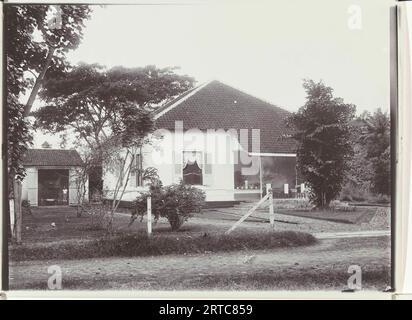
(51, 157)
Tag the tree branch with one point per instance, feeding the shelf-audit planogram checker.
(38, 83)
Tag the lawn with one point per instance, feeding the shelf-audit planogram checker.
(357, 216)
(320, 267)
(57, 233)
(198, 256)
(349, 214)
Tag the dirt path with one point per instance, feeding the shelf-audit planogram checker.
(321, 266)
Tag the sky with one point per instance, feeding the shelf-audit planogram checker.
(264, 48)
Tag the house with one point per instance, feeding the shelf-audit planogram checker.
(222, 140)
(51, 176)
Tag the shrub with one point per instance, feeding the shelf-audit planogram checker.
(382, 199)
(351, 192)
(176, 202)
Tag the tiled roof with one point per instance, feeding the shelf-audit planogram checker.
(51, 157)
(219, 106)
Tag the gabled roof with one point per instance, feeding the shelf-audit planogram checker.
(218, 106)
(51, 157)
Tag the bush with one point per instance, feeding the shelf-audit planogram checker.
(353, 193)
(382, 199)
(176, 202)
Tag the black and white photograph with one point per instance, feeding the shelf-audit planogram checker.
(202, 146)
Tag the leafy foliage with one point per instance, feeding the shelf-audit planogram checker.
(176, 202)
(29, 39)
(18, 138)
(99, 103)
(376, 139)
(30, 35)
(323, 131)
(357, 181)
(110, 110)
(368, 177)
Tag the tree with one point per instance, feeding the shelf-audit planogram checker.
(25, 55)
(37, 38)
(357, 182)
(323, 134)
(376, 139)
(95, 102)
(110, 110)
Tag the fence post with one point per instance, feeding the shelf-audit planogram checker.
(271, 211)
(149, 216)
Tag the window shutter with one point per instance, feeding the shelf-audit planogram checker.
(133, 173)
(133, 167)
(208, 174)
(139, 169)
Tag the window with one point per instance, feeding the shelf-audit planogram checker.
(192, 168)
(137, 170)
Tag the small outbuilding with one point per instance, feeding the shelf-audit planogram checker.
(51, 177)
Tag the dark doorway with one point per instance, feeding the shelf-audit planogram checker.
(95, 183)
(53, 187)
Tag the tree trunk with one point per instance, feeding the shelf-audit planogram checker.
(176, 221)
(38, 83)
(17, 211)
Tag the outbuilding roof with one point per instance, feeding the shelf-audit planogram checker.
(51, 157)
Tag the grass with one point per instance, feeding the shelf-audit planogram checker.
(336, 213)
(323, 267)
(319, 267)
(142, 245)
(357, 216)
(374, 278)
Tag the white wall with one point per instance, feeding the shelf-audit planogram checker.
(165, 154)
(30, 186)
